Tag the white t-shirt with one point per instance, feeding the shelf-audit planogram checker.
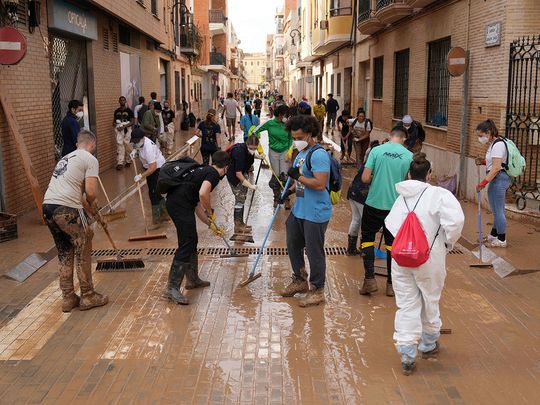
(496, 150)
(150, 153)
(230, 107)
(360, 126)
(136, 110)
(65, 187)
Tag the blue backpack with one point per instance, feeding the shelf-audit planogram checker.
(336, 177)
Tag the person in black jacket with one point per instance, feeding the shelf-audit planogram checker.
(71, 127)
(332, 107)
(415, 134)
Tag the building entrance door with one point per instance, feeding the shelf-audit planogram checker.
(70, 81)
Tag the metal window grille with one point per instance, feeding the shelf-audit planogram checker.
(115, 42)
(523, 111)
(385, 3)
(401, 83)
(105, 39)
(341, 7)
(338, 84)
(438, 83)
(364, 10)
(378, 64)
(153, 7)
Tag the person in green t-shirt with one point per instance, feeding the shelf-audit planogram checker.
(279, 142)
(386, 166)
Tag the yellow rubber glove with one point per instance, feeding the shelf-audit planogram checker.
(260, 149)
(289, 153)
(217, 230)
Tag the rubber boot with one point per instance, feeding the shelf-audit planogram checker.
(369, 286)
(192, 275)
(156, 217)
(351, 247)
(176, 275)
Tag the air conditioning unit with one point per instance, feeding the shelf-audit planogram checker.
(323, 24)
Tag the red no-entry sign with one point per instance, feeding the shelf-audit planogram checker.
(12, 46)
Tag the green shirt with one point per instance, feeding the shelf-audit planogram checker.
(390, 164)
(279, 139)
(150, 122)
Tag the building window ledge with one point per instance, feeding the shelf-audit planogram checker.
(141, 3)
(443, 129)
(156, 17)
(377, 99)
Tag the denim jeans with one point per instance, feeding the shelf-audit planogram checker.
(356, 220)
(497, 196)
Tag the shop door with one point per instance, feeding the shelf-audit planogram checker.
(70, 81)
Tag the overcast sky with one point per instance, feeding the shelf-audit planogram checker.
(253, 20)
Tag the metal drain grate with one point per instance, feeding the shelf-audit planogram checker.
(161, 251)
(111, 252)
(455, 252)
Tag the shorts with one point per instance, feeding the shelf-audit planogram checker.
(231, 121)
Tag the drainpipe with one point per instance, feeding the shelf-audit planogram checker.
(464, 115)
(353, 55)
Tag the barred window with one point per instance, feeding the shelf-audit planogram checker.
(378, 64)
(338, 84)
(341, 7)
(438, 83)
(401, 83)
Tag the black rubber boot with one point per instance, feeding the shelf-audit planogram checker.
(192, 274)
(176, 275)
(352, 250)
(239, 225)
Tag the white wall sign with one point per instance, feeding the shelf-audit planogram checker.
(493, 34)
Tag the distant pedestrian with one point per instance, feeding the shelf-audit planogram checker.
(151, 122)
(152, 160)
(168, 115)
(231, 106)
(360, 128)
(69, 202)
(123, 120)
(303, 107)
(248, 121)
(257, 103)
(312, 210)
(415, 134)
(209, 131)
(139, 110)
(346, 135)
(71, 126)
(496, 179)
(418, 290)
(386, 166)
(332, 107)
(320, 112)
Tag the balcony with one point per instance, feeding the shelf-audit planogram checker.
(278, 74)
(390, 11)
(218, 22)
(218, 59)
(368, 24)
(190, 40)
(419, 3)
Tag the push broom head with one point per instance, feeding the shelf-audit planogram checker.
(147, 237)
(119, 264)
(250, 279)
(114, 215)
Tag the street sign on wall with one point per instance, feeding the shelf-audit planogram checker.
(456, 61)
(493, 34)
(68, 17)
(12, 46)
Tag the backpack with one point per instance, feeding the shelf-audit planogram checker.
(420, 131)
(515, 162)
(173, 173)
(358, 191)
(335, 177)
(411, 247)
(366, 122)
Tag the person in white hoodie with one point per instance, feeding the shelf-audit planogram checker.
(418, 290)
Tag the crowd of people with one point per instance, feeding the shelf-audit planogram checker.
(392, 180)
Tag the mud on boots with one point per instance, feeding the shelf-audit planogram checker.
(312, 210)
(152, 160)
(176, 275)
(66, 208)
(418, 284)
(387, 165)
(242, 157)
(190, 198)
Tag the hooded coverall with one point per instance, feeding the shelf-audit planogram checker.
(418, 290)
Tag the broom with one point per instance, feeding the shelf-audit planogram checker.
(147, 236)
(118, 262)
(480, 238)
(112, 215)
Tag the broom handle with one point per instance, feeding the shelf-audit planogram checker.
(104, 226)
(252, 272)
(140, 198)
(253, 192)
(480, 236)
(105, 192)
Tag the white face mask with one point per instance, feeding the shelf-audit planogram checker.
(79, 115)
(483, 139)
(251, 151)
(300, 145)
(138, 145)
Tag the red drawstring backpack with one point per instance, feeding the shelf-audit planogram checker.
(411, 247)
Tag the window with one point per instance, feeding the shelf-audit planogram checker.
(341, 7)
(401, 83)
(378, 64)
(332, 84)
(251, 63)
(338, 85)
(153, 7)
(438, 83)
(124, 35)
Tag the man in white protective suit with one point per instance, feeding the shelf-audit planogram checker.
(418, 290)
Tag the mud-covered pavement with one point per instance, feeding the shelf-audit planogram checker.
(248, 345)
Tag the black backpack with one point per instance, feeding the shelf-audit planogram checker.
(173, 173)
(358, 191)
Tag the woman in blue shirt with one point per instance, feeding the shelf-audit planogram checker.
(306, 225)
(247, 121)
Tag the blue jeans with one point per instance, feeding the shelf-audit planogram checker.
(497, 196)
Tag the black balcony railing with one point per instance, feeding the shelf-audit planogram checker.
(217, 17)
(385, 3)
(217, 58)
(364, 15)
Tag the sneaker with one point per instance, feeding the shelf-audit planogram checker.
(70, 302)
(296, 286)
(369, 286)
(389, 290)
(490, 238)
(407, 368)
(92, 299)
(432, 353)
(497, 243)
(119, 167)
(313, 297)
